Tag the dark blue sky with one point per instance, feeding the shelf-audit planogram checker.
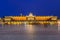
(37, 7)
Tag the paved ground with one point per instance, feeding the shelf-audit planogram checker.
(29, 32)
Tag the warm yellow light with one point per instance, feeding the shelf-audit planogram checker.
(29, 28)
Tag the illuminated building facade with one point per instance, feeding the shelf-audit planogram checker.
(30, 19)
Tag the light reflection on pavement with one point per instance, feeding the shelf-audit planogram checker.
(29, 32)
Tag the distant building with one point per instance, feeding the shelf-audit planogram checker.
(31, 18)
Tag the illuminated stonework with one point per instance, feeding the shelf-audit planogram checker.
(30, 19)
(31, 15)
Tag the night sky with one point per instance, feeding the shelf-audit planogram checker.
(37, 7)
